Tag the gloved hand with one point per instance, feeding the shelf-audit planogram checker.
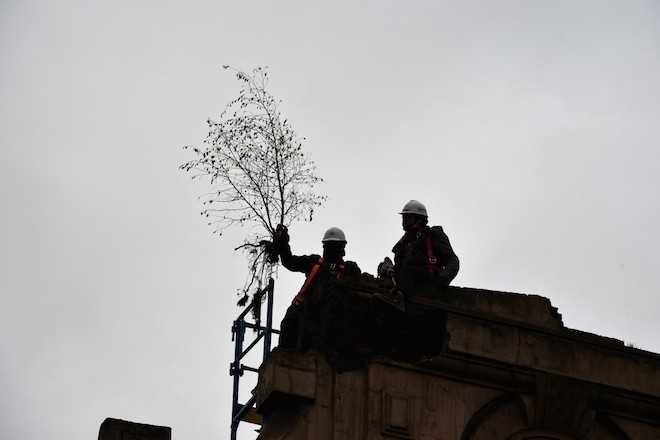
(281, 235)
(386, 268)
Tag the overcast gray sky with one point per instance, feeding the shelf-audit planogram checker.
(531, 130)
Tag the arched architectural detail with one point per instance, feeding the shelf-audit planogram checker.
(603, 422)
(512, 402)
(538, 434)
(507, 417)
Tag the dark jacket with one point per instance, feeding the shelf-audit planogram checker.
(411, 260)
(327, 272)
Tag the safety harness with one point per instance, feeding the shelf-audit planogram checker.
(312, 275)
(431, 260)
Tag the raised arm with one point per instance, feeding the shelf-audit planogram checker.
(294, 263)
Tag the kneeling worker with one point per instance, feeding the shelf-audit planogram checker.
(320, 272)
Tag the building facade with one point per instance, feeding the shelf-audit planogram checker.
(509, 369)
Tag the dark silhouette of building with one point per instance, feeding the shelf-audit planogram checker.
(504, 366)
(115, 429)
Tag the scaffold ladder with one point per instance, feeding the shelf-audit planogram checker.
(246, 412)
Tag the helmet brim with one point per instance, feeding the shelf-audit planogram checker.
(413, 213)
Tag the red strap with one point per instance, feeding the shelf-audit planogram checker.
(340, 270)
(308, 281)
(429, 254)
(312, 275)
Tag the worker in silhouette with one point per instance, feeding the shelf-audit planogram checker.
(424, 262)
(313, 318)
(423, 257)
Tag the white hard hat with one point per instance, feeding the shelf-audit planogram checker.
(334, 235)
(414, 207)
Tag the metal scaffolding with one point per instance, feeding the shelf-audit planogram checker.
(246, 412)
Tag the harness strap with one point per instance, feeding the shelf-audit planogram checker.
(312, 276)
(308, 282)
(340, 269)
(432, 261)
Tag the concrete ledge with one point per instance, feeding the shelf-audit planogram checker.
(556, 352)
(286, 379)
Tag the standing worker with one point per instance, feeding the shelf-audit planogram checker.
(423, 262)
(304, 314)
(423, 257)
